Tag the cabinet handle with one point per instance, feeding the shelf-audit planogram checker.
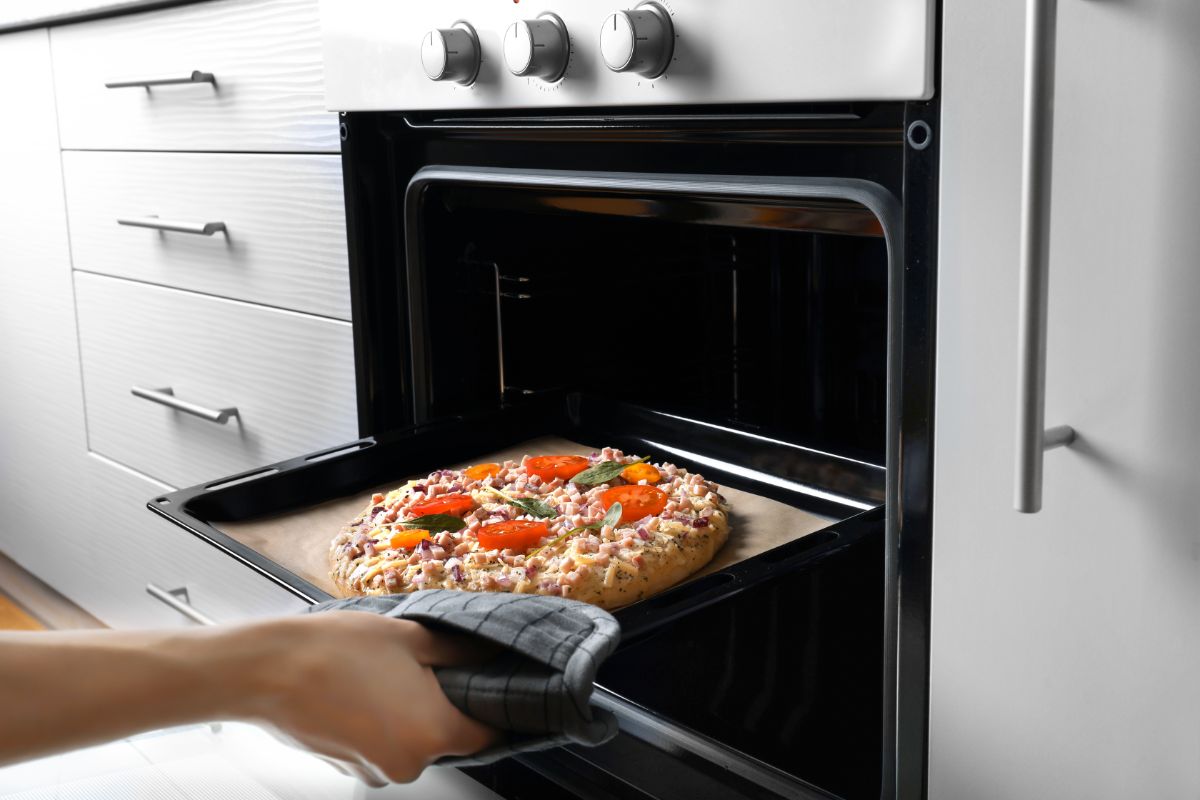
(178, 599)
(1033, 439)
(167, 398)
(198, 228)
(196, 76)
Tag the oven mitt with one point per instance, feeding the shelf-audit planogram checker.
(537, 690)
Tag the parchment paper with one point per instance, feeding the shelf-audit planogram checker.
(299, 540)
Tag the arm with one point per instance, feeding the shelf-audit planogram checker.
(353, 687)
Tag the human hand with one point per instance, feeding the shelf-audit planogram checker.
(358, 690)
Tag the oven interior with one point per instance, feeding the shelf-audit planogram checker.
(744, 338)
(735, 314)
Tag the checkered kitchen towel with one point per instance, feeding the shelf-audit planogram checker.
(538, 689)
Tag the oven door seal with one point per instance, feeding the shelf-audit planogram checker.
(869, 195)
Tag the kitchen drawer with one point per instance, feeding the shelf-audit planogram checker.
(284, 242)
(124, 547)
(290, 377)
(264, 56)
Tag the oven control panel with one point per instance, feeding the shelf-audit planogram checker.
(384, 55)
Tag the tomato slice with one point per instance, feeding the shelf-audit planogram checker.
(636, 501)
(516, 534)
(453, 504)
(406, 538)
(481, 471)
(550, 467)
(641, 472)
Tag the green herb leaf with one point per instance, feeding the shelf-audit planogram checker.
(530, 505)
(603, 472)
(611, 518)
(434, 523)
(533, 507)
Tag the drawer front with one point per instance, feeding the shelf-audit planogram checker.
(126, 547)
(290, 377)
(264, 56)
(284, 242)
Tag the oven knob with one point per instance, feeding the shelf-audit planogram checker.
(640, 40)
(537, 47)
(451, 54)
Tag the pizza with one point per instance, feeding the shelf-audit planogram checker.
(608, 529)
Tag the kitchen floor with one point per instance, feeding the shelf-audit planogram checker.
(198, 762)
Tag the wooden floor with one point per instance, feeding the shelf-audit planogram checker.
(14, 618)
(27, 603)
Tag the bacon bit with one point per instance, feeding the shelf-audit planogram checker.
(639, 561)
(376, 498)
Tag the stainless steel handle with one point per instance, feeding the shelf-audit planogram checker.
(167, 398)
(178, 599)
(196, 76)
(198, 228)
(1036, 171)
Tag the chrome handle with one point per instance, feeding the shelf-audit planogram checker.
(196, 76)
(1036, 171)
(178, 600)
(154, 223)
(167, 398)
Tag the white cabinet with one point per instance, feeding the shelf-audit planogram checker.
(290, 377)
(1066, 644)
(254, 318)
(129, 547)
(284, 237)
(42, 440)
(265, 93)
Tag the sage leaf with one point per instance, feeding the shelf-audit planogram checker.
(435, 523)
(603, 472)
(533, 507)
(611, 518)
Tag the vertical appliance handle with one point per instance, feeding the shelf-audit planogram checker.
(1033, 439)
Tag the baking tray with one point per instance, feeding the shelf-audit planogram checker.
(787, 500)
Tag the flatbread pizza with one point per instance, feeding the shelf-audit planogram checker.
(608, 529)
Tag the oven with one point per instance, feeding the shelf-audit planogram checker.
(699, 231)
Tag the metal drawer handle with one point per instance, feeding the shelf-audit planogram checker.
(196, 76)
(178, 599)
(1033, 439)
(154, 223)
(167, 398)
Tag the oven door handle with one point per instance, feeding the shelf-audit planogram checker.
(1033, 439)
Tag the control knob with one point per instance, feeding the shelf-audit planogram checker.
(640, 40)
(537, 48)
(451, 54)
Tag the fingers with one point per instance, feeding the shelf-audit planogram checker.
(459, 734)
(435, 649)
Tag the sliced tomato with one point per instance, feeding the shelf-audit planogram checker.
(550, 467)
(636, 501)
(453, 504)
(641, 472)
(481, 471)
(516, 534)
(406, 538)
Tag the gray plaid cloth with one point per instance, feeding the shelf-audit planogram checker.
(538, 689)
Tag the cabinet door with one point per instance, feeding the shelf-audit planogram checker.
(1066, 644)
(42, 441)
